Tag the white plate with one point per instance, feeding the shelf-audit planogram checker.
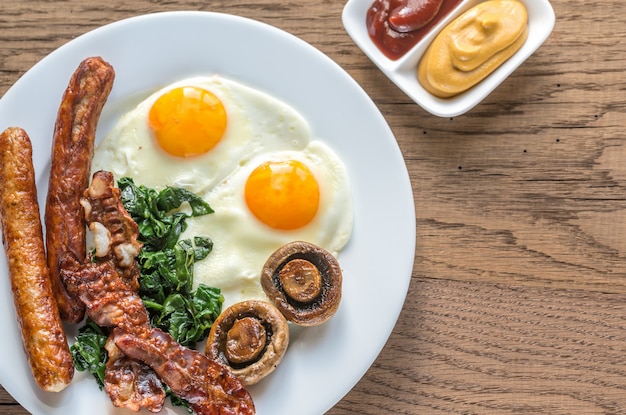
(403, 72)
(322, 364)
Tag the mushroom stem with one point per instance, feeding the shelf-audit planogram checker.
(301, 280)
(250, 338)
(245, 340)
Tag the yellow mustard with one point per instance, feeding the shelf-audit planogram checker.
(471, 47)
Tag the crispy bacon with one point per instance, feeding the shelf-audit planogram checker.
(108, 288)
(110, 300)
(115, 232)
(209, 387)
(130, 383)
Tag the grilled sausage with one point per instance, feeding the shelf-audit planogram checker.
(22, 235)
(72, 152)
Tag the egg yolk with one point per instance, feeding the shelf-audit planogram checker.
(187, 121)
(283, 195)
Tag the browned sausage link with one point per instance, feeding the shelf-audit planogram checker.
(38, 317)
(72, 151)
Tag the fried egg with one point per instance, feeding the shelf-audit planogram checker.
(195, 132)
(251, 157)
(273, 199)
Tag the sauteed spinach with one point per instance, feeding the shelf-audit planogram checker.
(88, 351)
(166, 264)
(166, 273)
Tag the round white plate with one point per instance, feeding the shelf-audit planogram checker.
(323, 363)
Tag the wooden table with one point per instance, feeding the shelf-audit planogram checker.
(517, 302)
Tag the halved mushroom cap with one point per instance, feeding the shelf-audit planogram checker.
(304, 281)
(250, 338)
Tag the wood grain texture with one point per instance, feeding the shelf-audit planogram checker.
(517, 303)
(476, 348)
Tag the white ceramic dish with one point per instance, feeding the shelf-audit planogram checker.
(403, 72)
(322, 363)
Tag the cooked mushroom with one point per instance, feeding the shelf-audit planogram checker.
(304, 281)
(250, 338)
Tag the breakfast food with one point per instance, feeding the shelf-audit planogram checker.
(304, 281)
(111, 301)
(107, 284)
(157, 153)
(42, 332)
(70, 171)
(115, 233)
(263, 206)
(268, 182)
(130, 383)
(473, 46)
(243, 150)
(209, 387)
(250, 338)
(395, 26)
(110, 296)
(206, 385)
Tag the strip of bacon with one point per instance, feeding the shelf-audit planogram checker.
(108, 287)
(130, 383)
(111, 301)
(209, 387)
(115, 232)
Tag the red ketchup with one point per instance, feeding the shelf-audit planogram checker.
(395, 26)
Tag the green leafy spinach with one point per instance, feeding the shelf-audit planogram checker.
(166, 263)
(166, 274)
(88, 351)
